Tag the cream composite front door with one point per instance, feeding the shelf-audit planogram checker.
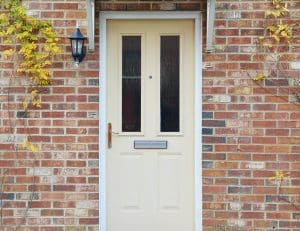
(150, 115)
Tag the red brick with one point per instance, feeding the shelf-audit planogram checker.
(252, 148)
(277, 149)
(227, 32)
(214, 189)
(52, 130)
(76, 163)
(138, 6)
(263, 173)
(36, 138)
(226, 215)
(88, 106)
(52, 212)
(255, 32)
(189, 6)
(288, 107)
(289, 140)
(277, 216)
(252, 182)
(295, 115)
(223, 131)
(76, 131)
(289, 157)
(288, 124)
(52, 14)
(65, 6)
(53, 114)
(238, 107)
(264, 107)
(63, 204)
(239, 57)
(264, 190)
(238, 156)
(64, 90)
(52, 228)
(215, 90)
(223, 148)
(52, 98)
(214, 57)
(226, 165)
(14, 188)
(213, 173)
(6, 163)
(251, 66)
(264, 140)
(242, 40)
(264, 124)
(40, 204)
(52, 163)
(76, 98)
(240, 24)
(252, 215)
(63, 139)
(52, 196)
(40, 6)
(64, 188)
(89, 123)
(76, 114)
(88, 139)
(277, 132)
(76, 180)
(88, 221)
(76, 14)
(112, 6)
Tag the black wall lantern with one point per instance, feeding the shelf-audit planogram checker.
(77, 45)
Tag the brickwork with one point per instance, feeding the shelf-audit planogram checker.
(57, 188)
(249, 131)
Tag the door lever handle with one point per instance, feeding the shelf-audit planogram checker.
(109, 135)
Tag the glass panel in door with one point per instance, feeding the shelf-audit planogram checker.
(131, 83)
(169, 84)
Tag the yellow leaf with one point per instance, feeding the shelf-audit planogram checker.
(33, 148)
(8, 52)
(34, 93)
(267, 45)
(260, 77)
(7, 41)
(36, 103)
(279, 175)
(25, 143)
(25, 104)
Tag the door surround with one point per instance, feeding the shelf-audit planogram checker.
(196, 16)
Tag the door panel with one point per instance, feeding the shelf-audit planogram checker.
(150, 98)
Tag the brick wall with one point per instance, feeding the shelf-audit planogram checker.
(249, 131)
(57, 188)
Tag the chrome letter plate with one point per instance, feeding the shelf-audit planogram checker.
(150, 144)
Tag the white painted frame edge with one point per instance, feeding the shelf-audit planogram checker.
(106, 15)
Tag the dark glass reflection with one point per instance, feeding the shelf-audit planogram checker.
(131, 83)
(169, 83)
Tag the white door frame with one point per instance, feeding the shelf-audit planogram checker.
(106, 15)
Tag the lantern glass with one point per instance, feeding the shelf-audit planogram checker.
(74, 47)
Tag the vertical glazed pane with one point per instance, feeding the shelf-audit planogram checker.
(169, 83)
(131, 83)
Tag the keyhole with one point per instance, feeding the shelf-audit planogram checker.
(150, 77)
